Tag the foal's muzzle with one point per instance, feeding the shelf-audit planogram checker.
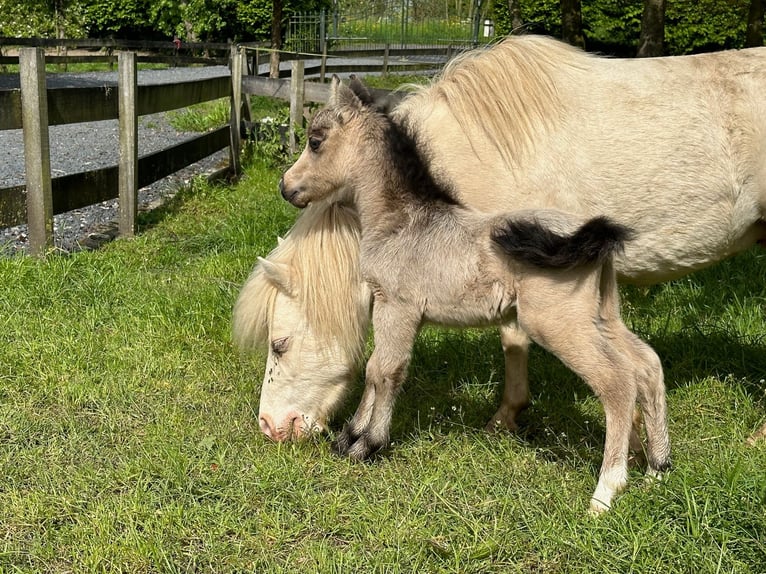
(291, 195)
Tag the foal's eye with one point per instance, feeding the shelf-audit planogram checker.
(314, 143)
(279, 346)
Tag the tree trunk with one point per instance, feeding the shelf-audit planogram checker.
(755, 25)
(652, 29)
(571, 23)
(514, 8)
(276, 37)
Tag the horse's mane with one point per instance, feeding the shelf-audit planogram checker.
(507, 90)
(322, 252)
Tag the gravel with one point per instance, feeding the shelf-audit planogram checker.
(92, 145)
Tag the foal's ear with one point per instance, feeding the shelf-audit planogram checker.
(278, 274)
(361, 90)
(342, 96)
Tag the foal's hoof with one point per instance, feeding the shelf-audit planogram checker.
(356, 446)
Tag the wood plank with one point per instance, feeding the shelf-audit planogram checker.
(164, 97)
(296, 104)
(235, 103)
(13, 206)
(75, 105)
(78, 190)
(128, 163)
(37, 156)
(10, 109)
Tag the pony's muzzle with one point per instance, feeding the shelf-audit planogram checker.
(290, 428)
(291, 195)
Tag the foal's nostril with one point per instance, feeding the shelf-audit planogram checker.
(282, 185)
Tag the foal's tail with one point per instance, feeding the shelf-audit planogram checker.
(530, 241)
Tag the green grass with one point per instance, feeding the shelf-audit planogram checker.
(201, 117)
(129, 439)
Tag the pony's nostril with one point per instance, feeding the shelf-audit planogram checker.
(267, 427)
(296, 426)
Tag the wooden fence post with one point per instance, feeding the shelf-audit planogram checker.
(296, 103)
(385, 59)
(323, 63)
(127, 85)
(37, 157)
(236, 110)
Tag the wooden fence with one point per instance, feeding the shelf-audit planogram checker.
(34, 108)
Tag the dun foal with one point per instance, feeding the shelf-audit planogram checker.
(427, 258)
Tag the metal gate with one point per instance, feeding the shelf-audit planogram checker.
(397, 23)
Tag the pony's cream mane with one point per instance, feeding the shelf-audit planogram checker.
(322, 254)
(506, 90)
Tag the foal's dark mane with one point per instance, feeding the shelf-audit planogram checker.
(409, 160)
(407, 155)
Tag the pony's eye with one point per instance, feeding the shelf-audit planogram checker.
(280, 346)
(314, 143)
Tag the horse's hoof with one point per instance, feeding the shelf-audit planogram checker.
(598, 507)
(503, 420)
(343, 442)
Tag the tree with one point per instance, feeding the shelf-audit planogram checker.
(571, 23)
(276, 37)
(514, 9)
(754, 36)
(652, 29)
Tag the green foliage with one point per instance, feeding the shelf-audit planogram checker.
(705, 25)
(614, 25)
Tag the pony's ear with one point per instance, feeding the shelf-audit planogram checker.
(278, 274)
(342, 96)
(361, 90)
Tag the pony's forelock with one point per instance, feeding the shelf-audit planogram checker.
(253, 310)
(322, 252)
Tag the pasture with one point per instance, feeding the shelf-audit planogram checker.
(129, 438)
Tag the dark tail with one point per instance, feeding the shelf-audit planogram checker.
(593, 242)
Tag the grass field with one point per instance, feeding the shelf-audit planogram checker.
(129, 439)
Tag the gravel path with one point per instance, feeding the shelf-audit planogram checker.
(92, 145)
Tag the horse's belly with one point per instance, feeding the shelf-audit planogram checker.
(476, 306)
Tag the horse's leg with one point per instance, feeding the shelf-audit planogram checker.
(394, 335)
(516, 391)
(760, 434)
(651, 397)
(564, 317)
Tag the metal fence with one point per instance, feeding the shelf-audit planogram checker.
(398, 23)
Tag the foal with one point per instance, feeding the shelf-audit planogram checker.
(427, 258)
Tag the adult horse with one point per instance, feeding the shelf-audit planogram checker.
(673, 148)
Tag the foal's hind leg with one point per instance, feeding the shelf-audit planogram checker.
(563, 318)
(651, 397)
(516, 391)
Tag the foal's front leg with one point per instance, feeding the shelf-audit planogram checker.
(395, 330)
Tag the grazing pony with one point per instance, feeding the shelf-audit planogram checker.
(672, 147)
(428, 258)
